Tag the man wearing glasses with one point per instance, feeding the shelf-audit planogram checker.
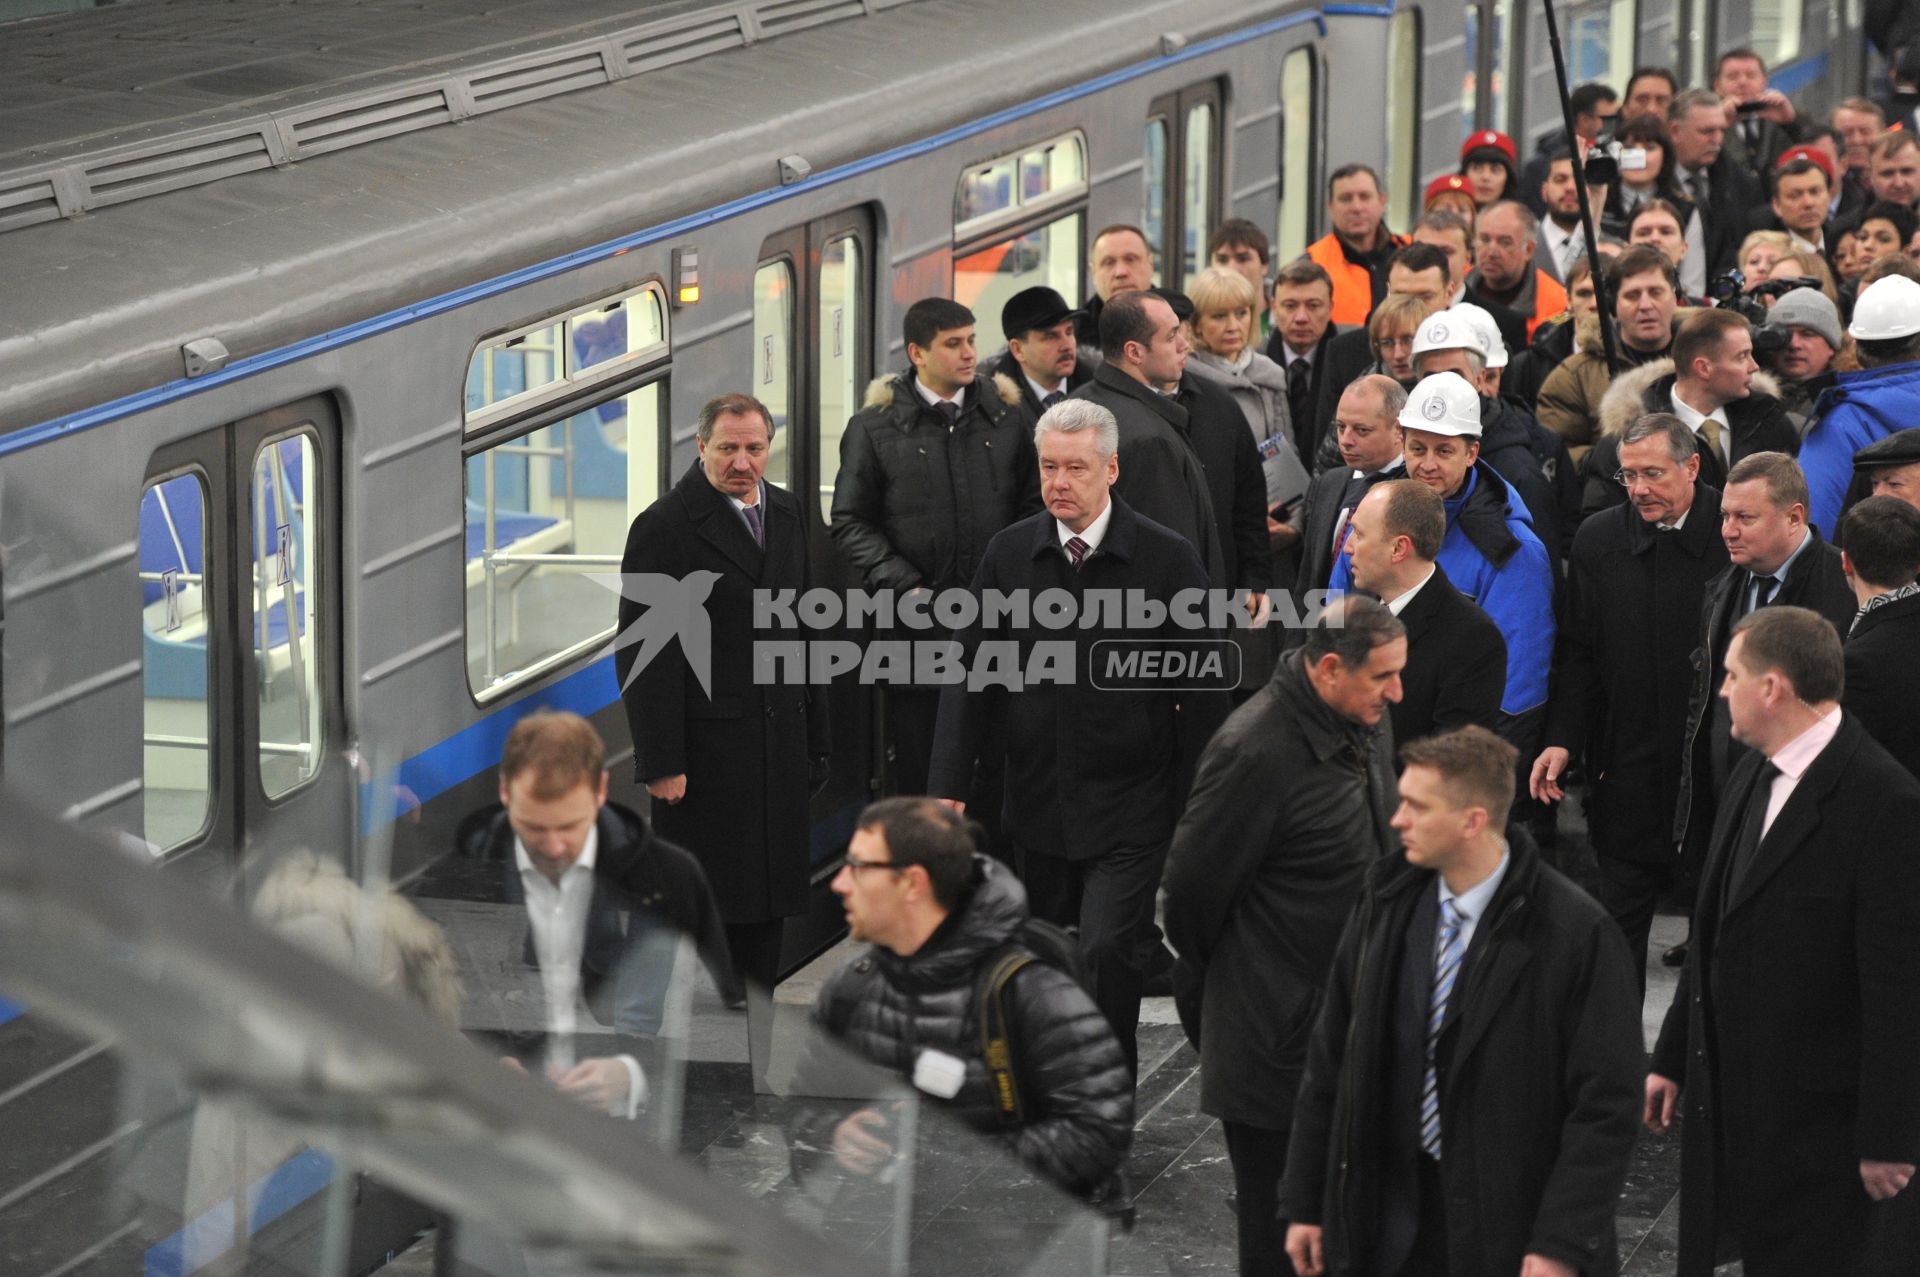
(1635, 582)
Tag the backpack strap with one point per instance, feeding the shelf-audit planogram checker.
(996, 1031)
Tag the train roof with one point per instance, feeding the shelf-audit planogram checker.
(267, 172)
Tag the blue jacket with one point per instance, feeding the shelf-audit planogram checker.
(1493, 557)
(1862, 407)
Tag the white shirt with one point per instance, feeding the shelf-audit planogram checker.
(1793, 759)
(1686, 413)
(1040, 392)
(1096, 531)
(1677, 524)
(1399, 605)
(740, 508)
(1693, 265)
(1804, 244)
(557, 917)
(934, 401)
(1471, 903)
(1562, 246)
(1293, 357)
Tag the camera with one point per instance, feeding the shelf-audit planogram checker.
(1729, 292)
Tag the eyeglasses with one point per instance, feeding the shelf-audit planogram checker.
(857, 865)
(1395, 343)
(1627, 478)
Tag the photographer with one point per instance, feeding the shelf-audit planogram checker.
(1805, 327)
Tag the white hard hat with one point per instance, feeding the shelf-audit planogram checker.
(1492, 344)
(1444, 330)
(1889, 308)
(1443, 404)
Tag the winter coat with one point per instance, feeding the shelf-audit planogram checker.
(1799, 397)
(1622, 676)
(1073, 1079)
(1883, 688)
(1007, 367)
(1569, 400)
(1755, 424)
(1260, 392)
(1539, 1064)
(1289, 809)
(1493, 556)
(1216, 430)
(1861, 408)
(916, 502)
(1537, 466)
(1456, 667)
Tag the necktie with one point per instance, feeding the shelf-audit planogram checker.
(1697, 185)
(1750, 132)
(951, 411)
(1762, 590)
(1077, 551)
(1446, 970)
(754, 525)
(1299, 377)
(1710, 431)
(1052, 399)
(1747, 846)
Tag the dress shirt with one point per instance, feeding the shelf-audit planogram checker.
(557, 917)
(1805, 245)
(1779, 574)
(1096, 531)
(1693, 263)
(740, 508)
(1793, 760)
(1562, 245)
(958, 399)
(1040, 392)
(1292, 358)
(1677, 524)
(1399, 605)
(1472, 904)
(1693, 418)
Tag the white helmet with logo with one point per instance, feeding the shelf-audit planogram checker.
(1443, 404)
(1889, 308)
(1492, 344)
(1444, 330)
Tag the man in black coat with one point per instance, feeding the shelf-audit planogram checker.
(1303, 333)
(1418, 270)
(937, 461)
(1791, 1048)
(1093, 770)
(1718, 185)
(1367, 425)
(1456, 659)
(1471, 1084)
(1043, 356)
(1635, 580)
(1883, 684)
(730, 760)
(1777, 557)
(1288, 810)
(1160, 476)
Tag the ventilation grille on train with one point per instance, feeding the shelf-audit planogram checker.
(195, 158)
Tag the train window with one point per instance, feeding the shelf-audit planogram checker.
(842, 295)
(1197, 188)
(178, 752)
(557, 358)
(985, 278)
(1776, 29)
(544, 508)
(1298, 127)
(1500, 37)
(284, 629)
(1483, 91)
(1599, 41)
(773, 359)
(1153, 197)
(1471, 83)
(1020, 186)
(1403, 117)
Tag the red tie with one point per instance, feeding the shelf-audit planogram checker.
(1077, 551)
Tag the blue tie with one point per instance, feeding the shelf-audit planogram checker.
(1446, 969)
(754, 526)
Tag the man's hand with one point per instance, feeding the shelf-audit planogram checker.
(669, 789)
(1541, 1266)
(1663, 1097)
(1779, 107)
(1304, 1249)
(857, 1142)
(1544, 784)
(599, 1083)
(1885, 1180)
(1259, 610)
(953, 805)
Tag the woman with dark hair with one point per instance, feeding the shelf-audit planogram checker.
(1885, 228)
(1646, 173)
(1488, 161)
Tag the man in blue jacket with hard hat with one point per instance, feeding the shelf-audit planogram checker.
(1869, 405)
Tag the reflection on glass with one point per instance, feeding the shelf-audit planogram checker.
(985, 279)
(542, 511)
(1470, 79)
(842, 298)
(773, 360)
(513, 368)
(1198, 191)
(1403, 119)
(286, 589)
(1153, 202)
(1502, 36)
(620, 328)
(1012, 181)
(177, 772)
(1297, 129)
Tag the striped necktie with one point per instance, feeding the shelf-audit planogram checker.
(1446, 970)
(1077, 550)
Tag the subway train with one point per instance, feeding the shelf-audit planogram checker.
(335, 359)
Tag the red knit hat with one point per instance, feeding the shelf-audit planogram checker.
(1441, 185)
(1819, 157)
(1497, 140)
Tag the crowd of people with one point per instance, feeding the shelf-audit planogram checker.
(1640, 523)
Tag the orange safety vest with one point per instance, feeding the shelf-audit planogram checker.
(1352, 285)
(1549, 300)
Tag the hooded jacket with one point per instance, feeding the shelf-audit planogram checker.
(1492, 555)
(1862, 407)
(1755, 424)
(916, 502)
(1073, 1078)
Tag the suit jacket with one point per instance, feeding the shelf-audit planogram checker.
(1792, 1030)
(1775, 140)
(1883, 684)
(1456, 664)
(745, 749)
(1307, 424)
(1320, 519)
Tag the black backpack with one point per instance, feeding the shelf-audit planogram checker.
(1036, 941)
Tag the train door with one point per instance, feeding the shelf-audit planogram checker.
(239, 570)
(1181, 202)
(813, 358)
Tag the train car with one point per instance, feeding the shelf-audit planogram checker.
(331, 375)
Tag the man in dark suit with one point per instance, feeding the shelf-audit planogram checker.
(1720, 187)
(1418, 270)
(1303, 330)
(1634, 583)
(1456, 659)
(1792, 1041)
(1882, 559)
(1761, 121)
(1367, 425)
(1093, 771)
(729, 760)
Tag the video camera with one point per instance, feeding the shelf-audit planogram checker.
(1730, 292)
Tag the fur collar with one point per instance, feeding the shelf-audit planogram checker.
(1624, 400)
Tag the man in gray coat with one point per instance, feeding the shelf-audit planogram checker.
(1289, 809)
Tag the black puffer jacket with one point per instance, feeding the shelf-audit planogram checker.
(1537, 466)
(916, 502)
(1073, 1077)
